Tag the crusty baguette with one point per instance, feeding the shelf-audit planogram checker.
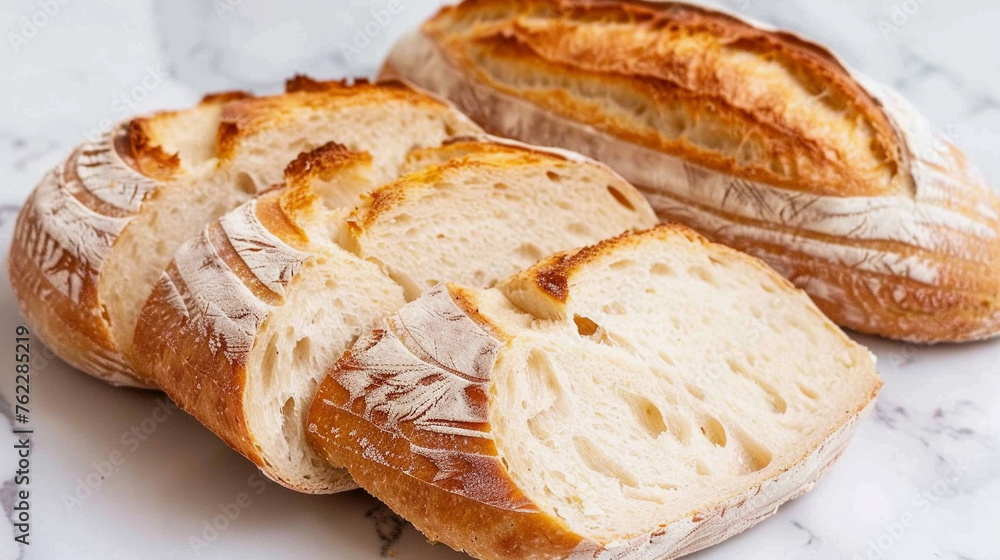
(98, 231)
(642, 398)
(250, 315)
(756, 138)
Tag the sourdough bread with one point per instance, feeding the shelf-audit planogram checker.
(644, 397)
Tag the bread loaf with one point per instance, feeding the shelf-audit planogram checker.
(97, 233)
(755, 137)
(645, 397)
(251, 314)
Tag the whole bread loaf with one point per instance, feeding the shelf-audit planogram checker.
(251, 313)
(641, 398)
(95, 236)
(757, 138)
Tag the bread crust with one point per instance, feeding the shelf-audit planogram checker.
(911, 259)
(63, 236)
(406, 412)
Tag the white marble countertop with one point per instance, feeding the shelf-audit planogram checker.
(921, 480)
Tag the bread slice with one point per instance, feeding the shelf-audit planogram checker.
(251, 315)
(644, 397)
(757, 138)
(98, 232)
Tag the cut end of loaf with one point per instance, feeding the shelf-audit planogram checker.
(666, 346)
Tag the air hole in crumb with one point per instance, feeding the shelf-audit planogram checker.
(648, 415)
(302, 352)
(667, 358)
(808, 392)
(627, 263)
(620, 198)
(703, 274)
(270, 361)
(713, 431)
(289, 419)
(754, 456)
(553, 176)
(615, 308)
(695, 392)
(660, 269)
(501, 186)
(585, 326)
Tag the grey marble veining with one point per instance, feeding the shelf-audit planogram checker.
(921, 480)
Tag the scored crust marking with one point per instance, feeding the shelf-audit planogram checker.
(105, 175)
(429, 367)
(272, 261)
(59, 228)
(224, 311)
(865, 218)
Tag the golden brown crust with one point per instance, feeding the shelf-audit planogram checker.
(61, 240)
(676, 54)
(208, 386)
(221, 97)
(75, 328)
(323, 162)
(486, 531)
(148, 157)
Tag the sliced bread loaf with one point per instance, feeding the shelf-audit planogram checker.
(645, 397)
(96, 235)
(251, 314)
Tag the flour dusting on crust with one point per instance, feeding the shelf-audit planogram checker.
(59, 228)
(105, 175)
(272, 261)
(224, 311)
(429, 366)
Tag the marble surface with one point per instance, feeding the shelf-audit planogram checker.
(921, 480)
